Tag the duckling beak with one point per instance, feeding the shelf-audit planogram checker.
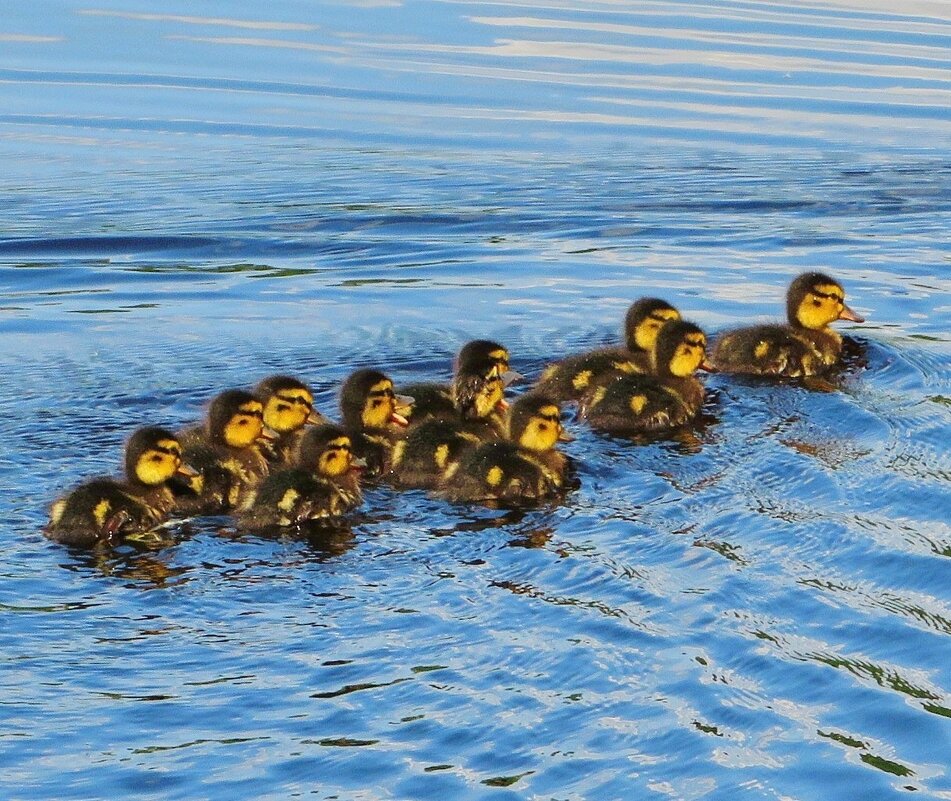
(268, 435)
(397, 418)
(510, 377)
(187, 471)
(564, 436)
(316, 418)
(404, 404)
(848, 314)
(707, 367)
(502, 405)
(357, 462)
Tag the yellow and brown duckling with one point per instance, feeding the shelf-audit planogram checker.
(228, 452)
(374, 417)
(574, 376)
(105, 509)
(476, 394)
(323, 484)
(670, 397)
(805, 346)
(524, 469)
(288, 408)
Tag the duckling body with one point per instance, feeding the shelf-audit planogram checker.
(323, 483)
(577, 375)
(805, 346)
(497, 471)
(523, 469)
(644, 403)
(227, 453)
(430, 449)
(288, 409)
(373, 418)
(106, 509)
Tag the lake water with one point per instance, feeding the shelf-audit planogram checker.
(194, 198)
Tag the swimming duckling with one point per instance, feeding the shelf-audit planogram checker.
(476, 394)
(105, 509)
(573, 376)
(671, 397)
(430, 449)
(523, 469)
(535, 426)
(288, 407)
(227, 452)
(373, 417)
(324, 483)
(804, 347)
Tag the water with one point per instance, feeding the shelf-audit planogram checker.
(193, 199)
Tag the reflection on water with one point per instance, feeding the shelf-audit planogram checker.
(756, 606)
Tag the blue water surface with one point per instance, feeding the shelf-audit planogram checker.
(197, 196)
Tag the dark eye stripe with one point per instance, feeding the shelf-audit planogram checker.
(298, 401)
(382, 393)
(828, 295)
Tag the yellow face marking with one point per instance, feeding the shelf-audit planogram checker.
(625, 367)
(548, 372)
(543, 430)
(101, 511)
(491, 393)
(380, 405)
(761, 350)
(494, 476)
(637, 403)
(822, 304)
(645, 333)
(501, 358)
(336, 457)
(688, 356)
(441, 456)
(158, 464)
(288, 410)
(246, 425)
(582, 379)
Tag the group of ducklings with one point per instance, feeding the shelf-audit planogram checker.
(268, 458)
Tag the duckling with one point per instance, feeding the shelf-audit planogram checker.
(804, 347)
(535, 426)
(227, 452)
(105, 509)
(373, 417)
(572, 377)
(323, 483)
(288, 407)
(671, 397)
(430, 449)
(476, 394)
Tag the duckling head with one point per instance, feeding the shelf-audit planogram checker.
(814, 300)
(288, 403)
(479, 389)
(644, 320)
(327, 450)
(680, 349)
(153, 456)
(535, 423)
(474, 355)
(367, 401)
(236, 419)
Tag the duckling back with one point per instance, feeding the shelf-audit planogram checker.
(430, 449)
(497, 472)
(99, 510)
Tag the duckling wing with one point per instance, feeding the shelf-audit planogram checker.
(429, 400)
(99, 510)
(635, 403)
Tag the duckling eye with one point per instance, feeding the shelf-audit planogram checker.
(156, 458)
(376, 402)
(242, 422)
(282, 407)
